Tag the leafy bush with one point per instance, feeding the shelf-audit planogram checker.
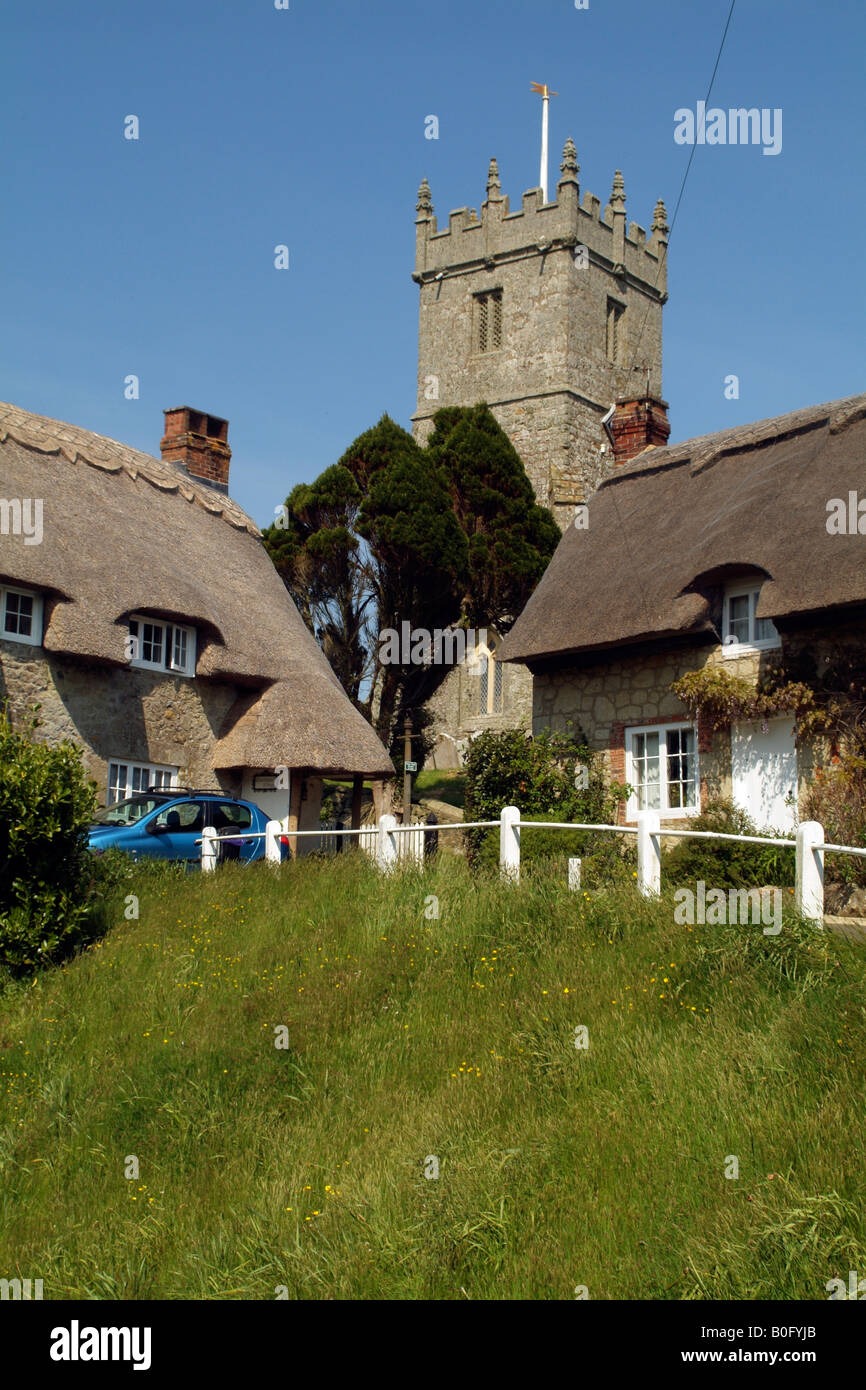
(51, 900)
(837, 798)
(550, 777)
(727, 863)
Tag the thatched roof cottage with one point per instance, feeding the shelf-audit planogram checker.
(740, 549)
(140, 610)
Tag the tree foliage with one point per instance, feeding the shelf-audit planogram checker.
(443, 536)
(315, 548)
(510, 539)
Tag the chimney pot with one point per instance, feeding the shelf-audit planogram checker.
(638, 423)
(199, 443)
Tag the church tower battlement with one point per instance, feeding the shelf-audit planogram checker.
(549, 314)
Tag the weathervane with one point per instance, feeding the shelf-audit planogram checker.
(545, 94)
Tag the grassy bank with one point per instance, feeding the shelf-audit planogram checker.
(442, 786)
(412, 1037)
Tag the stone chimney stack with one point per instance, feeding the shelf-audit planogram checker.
(637, 423)
(200, 443)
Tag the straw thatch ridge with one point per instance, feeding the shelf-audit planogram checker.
(78, 445)
(127, 533)
(754, 496)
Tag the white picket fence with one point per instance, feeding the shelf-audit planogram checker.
(410, 844)
(392, 844)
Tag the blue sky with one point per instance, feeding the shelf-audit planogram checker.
(306, 127)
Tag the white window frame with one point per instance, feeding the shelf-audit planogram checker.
(665, 811)
(730, 648)
(155, 774)
(35, 637)
(170, 633)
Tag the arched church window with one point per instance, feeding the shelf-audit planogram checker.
(489, 680)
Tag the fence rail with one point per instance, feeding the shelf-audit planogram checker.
(383, 842)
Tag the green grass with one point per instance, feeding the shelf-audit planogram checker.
(441, 786)
(411, 1036)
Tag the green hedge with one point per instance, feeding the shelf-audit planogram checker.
(725, 863)
(51, 889)
(554, 777)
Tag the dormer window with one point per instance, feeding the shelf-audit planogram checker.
(740, 626)
(21, 616)
(156, 646)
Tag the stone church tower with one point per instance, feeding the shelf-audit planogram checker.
(550, 315)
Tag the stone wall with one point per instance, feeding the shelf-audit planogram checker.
(116, 715)
(455, 711)
(604, 698)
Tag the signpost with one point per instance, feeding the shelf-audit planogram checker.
(408, 769)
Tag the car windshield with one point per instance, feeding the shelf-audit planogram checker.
(129, 811)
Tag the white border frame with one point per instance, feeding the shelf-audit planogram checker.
(676, 812)
(764, 644)
(131, 764)
(168, 630)
(35, 640)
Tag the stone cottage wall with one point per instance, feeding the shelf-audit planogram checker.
(117, 715)
(604, 699)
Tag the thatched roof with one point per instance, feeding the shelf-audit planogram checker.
(662, 524)
(126, 533)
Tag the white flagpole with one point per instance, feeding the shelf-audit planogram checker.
(544, 92)
(545, 102)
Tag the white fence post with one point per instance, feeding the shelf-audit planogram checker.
(273, 831)
(509, 845)
(416, 845)
(386, 848)
(809, 893)
(649, 863)
(574, 875)
(209, 847)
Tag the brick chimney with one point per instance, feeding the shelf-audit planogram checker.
(200, 443)
(637, 422)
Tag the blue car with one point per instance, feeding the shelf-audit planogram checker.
(165, 823)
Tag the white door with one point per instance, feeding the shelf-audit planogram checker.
(764, 772)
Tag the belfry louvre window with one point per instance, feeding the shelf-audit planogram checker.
(615, 311)
(488, 321)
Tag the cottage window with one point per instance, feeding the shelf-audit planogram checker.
(129, 779)
(662, 768)
(21, 616)
(740, 626)
(488, 321)
(162, 646)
